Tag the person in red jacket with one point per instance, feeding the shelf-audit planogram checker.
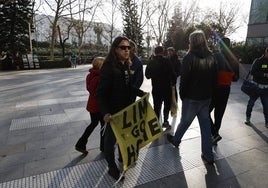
(17, 61)
(227, 71)
(92, 106)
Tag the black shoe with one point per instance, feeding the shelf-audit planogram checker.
(247, 122)
(170, 139)
(209, 161)
(115, 173)
(84, 151)
(166, 125)
(216, 139)
(120, 159)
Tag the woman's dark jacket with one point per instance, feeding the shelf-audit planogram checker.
(115, 88)
(198, 75)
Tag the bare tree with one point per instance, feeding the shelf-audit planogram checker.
(183, 21)
(147, 11)
(224, 19)
(189, 14)
(86, 14)
(160, 25)
(64, 36)
(60, 9)
(111, 15)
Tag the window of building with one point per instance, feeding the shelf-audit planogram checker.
(258, 12)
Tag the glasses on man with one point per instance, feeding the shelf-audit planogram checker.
(124, 47)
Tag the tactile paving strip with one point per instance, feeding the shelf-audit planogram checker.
(51, 101)
(70, 115)
(153, 163)
(37, 121)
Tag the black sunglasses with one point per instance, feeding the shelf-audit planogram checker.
(124, 47)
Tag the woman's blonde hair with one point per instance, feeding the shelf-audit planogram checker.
(97, 62)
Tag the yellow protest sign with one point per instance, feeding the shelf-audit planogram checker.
(134, 127)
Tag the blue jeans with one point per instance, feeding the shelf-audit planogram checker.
(191, 109)
(251, 102)
(264, 101)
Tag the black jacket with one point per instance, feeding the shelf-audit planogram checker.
(115, 88)
(159, 70)
(259, 67)
(198, 75)
(176, 65)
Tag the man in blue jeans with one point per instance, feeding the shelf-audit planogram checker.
(198, 81)
(259, 72)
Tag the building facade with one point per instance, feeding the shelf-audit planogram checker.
(257, 33)
(43, 31)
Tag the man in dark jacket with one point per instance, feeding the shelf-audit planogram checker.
(160, 72)
(259, 72)
(198, 80)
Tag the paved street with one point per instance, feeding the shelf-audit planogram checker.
(42, 114)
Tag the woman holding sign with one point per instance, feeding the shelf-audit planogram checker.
(114, 93)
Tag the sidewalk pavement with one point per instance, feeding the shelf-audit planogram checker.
(43, 114)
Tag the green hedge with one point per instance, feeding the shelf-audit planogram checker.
(247, 54)
(57, 63)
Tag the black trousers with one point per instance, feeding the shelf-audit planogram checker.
(95, 119)
(218, 104)
(158, 99)
(109, 146)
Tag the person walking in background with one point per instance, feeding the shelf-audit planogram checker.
(162, 76)
(73, 60)
(18, 61)
(259, 71)
(114, 93)
(225, 76)
(198, 80)
(175, 62)
(4, 60)
(92, 80)
(136, 68)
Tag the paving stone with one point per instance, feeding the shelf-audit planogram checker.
(48, 109)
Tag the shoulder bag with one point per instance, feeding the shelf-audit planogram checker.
(249, 87)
